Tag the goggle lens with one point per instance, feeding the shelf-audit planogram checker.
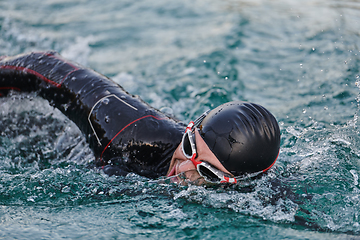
(208, 174)
(186, 145)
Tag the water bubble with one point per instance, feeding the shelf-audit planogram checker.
(304, 111)
(107, 119)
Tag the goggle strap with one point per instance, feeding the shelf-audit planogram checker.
(201, 117)
(228, 180)
(189, 126)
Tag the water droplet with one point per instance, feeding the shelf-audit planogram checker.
(107, 119)
(357, 84)
(304, 111)
(65, 106)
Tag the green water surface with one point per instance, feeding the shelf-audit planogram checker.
(299, 59)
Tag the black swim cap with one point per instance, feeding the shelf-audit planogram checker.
(244, 136)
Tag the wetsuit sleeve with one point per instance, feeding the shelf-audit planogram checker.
(125, 133)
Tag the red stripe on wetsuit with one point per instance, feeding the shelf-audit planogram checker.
(129, 124)
(39, 75)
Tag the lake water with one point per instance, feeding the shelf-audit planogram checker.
(299, 59)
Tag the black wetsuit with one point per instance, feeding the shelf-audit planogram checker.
(125, 133)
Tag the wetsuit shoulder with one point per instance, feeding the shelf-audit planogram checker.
(123, 131)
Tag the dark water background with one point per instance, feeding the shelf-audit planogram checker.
(299, 59)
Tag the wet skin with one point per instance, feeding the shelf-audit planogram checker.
(180, 164)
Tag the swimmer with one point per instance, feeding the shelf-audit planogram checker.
(126, 134)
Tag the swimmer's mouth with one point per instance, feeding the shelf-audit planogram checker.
(172, 175)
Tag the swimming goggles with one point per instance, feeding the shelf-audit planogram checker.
(205, 169)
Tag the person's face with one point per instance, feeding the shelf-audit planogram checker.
(180, 164)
